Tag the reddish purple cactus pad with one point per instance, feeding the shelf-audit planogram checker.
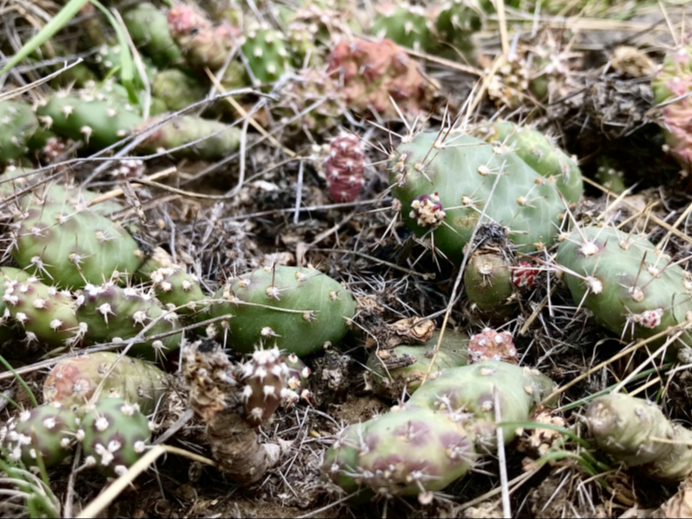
(345, 168)
(492, 345)
(524, 274)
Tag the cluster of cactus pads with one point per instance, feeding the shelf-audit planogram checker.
(436, 437)
(111, 425)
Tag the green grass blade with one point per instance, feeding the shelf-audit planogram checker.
(20, 380)
(61, 19)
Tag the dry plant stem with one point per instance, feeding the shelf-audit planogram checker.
(655, 218)
(113, 491)
(118, 192)
(626, 351)
(504, 485)
(680, 219)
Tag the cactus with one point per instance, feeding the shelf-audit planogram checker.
(492, 345)
(296, 309)
(98, 123)
(628, 428)
(114, 434)
(406, 25)
(109, 60)
(174, 286)
(216, 140)
(177, 89)
(403, 367)
(372, 72)
(487, 281)
(148, 28)
(45, 314)
(266, 54)
(537, 151)
(456, 21)
(109, 313)
(70, 245)
(72, 382)
(674, 81)
(345, 167)
(444, 181)
(524, 275)
(265, 389)
(48, 431)
(297, 374)
(611, 177)
(17, 125)
(7, 331)
(202, 44)
(433, 439)
(631, 287)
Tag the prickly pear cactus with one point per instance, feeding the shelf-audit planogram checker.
(345, 167)
(444, 183)
(47, 431)
(7, 329)
(72, 382)
(626, 428)
(266, 54)
(203, 45)
(543, 156)
(632, 289)
(264, 377)
(45, 313)
(148, 28)
(433, 439)
(98, 123)
(297, 377)
(212, 140)
(296, 309)
(372, 72)
(114, 434)
(177, 89)
(17, 125)
(405, 25)
(674, 81)
(174, 286)
(456, 22)
(70, 245)
(109, 313)
(401, 369)
(488, 281)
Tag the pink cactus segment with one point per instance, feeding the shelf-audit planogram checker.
(184, 18)
(524, 274)
(204, 44)
(677, 118)
(345, 167)
(492, 345)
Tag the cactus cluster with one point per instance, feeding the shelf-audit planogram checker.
(633, 289)
(436, 437)
(18, 123)
(296, 309)
(461, 173)
(672, 86)
(345, 167)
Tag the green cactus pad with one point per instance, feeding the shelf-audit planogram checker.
(408, 452)
(216, 140)
(408, 26)
(48, 430)
(632, 289)
(537, 151)
(443, 188)
(70, 245)
(109, 313)
(174, 286)
(390, 382)
(45, 313)
(627, 428)
(18, 123)
(297, 309)
(488, 282)
(114, 434)
(266, 54)
(177, 89)
(148, 28)
(72, 382)
(96, 122)
(455, 24)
